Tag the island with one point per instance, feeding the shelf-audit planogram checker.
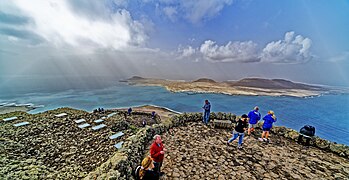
(246, 86)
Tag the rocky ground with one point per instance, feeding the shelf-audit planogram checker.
(196, 151)
(56, 148)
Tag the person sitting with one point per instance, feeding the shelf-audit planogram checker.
(306, 131)
(146, 172)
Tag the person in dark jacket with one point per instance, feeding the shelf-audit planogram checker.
(146, 172)
(269, 119)
(254, 117)
(207, 110)
(239, 130)
(129, 111)
(157, 152)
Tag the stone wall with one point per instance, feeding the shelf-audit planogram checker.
(122, 164)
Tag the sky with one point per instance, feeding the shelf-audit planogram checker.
(299, 40)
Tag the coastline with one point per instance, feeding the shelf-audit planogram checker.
(14, 108)
(210, 86)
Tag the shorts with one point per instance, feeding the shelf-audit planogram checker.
(266, 129)
(252, 125)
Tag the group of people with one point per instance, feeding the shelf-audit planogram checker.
(99, 110)
(246, 122)
(151, 165)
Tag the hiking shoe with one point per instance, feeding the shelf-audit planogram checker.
(260, 139)
(239, 146)
(265, 139)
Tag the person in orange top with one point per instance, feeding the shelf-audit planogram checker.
(157, 152)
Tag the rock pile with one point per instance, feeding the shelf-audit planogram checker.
(55, 147)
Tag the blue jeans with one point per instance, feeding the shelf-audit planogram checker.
(235, 135)
(206, 117)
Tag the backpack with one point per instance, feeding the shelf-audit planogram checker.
(136, 172)
(308, 130)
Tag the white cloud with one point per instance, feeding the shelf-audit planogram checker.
(231, 52)
(171, 12)
(187, 52)
(192, 11)
(122, 3)
(58, 24)
(12, 39)
(196, 11)
(293, 49)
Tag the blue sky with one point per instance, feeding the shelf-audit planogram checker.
(304, 41)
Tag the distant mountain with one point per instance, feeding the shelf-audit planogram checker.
(273, 84)
(205, 80)
(134, 78)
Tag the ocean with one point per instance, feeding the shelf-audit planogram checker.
(329, 114)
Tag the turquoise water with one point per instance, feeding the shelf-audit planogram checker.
(328, 113)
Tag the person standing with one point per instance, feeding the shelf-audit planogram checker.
(254, 117)
(129, 111)
(207, 110)
(157, 152)
(269, 119)
(239, 130)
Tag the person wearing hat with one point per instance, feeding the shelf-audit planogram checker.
(146, 172)
(239, 130)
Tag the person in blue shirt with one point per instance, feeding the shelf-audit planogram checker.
(269, 119)
(129, 111)
(254, 117)
(207, 110)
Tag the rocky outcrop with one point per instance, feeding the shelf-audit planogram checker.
(56, 148)
(183, 165)
(53, 149)
(196, 151)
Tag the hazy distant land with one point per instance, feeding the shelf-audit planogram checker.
(246, 86)
(13, 108)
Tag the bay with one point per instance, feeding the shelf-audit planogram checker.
(329, 114)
